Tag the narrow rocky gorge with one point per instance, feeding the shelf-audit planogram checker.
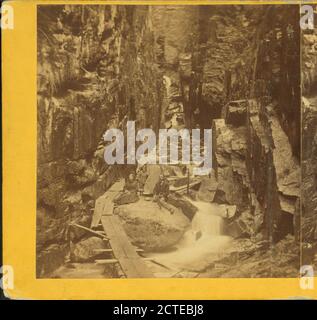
(235, 69)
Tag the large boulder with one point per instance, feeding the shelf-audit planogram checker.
(150, 227)
(241, 226)
(180, 202)
(208, 188)
(227, 211)
(229, 149)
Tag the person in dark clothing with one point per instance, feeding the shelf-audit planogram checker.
(161, 193)
(131, 185)
(162, 188)
(141, 178)
(129, 193)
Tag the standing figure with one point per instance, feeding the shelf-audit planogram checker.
(141, 177)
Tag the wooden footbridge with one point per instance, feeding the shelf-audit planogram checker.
(122, 251)
(118, 248)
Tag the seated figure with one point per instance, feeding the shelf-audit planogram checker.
(161, 193)
(129, 192)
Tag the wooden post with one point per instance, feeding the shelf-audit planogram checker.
(187, 181)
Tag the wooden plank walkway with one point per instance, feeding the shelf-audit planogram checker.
(123, 251)
(104, 204)
(131, 263)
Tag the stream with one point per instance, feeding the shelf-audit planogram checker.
(202, 244)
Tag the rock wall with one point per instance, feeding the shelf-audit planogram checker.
(275, 122)
(197, 47)
(96, 70)
(309, 154)
(257, 142)
(176, 31)
(237, 69)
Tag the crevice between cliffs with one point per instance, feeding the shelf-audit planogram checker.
(172, 67)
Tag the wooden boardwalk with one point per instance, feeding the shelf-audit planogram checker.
(124, 253)
(104, 204)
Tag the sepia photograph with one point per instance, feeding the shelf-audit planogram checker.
(169, 142)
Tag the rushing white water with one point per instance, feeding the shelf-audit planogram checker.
(201, 244)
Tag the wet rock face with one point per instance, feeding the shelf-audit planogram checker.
(93, 63)
(150, 227)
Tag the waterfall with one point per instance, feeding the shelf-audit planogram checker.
(202, 244)
(206, 220)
